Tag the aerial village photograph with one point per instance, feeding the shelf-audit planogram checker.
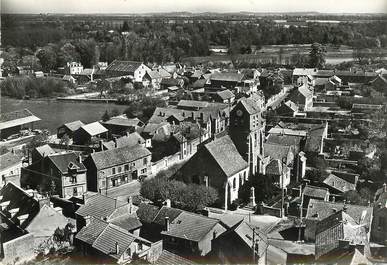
(188, 132)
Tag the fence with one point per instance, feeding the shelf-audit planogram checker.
(165, 163)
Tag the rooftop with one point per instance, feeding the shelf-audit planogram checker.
(94, 128)
(227, 76)
(226, 155)
(65, 160)
(123, 66)
(8, 160)
(99, 206)
(73, 126)
(315, 192)
(16, 118)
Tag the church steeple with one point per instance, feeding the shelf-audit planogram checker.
(247, 131)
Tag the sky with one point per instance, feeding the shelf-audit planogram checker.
(141, 6)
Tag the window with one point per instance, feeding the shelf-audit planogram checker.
(145, 161)
(113, 170)
(129, 252)
(234, 183)
(73, 179)
(119, 169)
(126, 167)
(75, 191)
(139, 246)
(143, 171)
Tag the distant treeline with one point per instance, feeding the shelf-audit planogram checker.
(158, 40)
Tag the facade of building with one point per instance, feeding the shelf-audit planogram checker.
(112, 168)
(10, 168)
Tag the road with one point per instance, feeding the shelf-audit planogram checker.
(124, 191)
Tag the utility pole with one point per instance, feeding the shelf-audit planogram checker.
(282, 186)
(253, 245)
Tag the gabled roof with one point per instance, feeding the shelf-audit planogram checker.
(74, 125)
(192, 103)
(62, 161)
(154, 74)
(130, 140)
(8, 160)
(99, 206)
(119, 156)
(319, 210)
(16, 118)
(163, 73)
(165, 211)
(338, 183)
(89, 233)
(315, 192)
(45, 150)
(292, 247)
(226, 155)
(227, 77)
(127, 222)
(94, 128)
(283, 139)
(293, 106)
(122, 121)
(17, 198)
(147, 212)
(225, 94)
(276, 167)
(123, 66)
(169, 258)
(276, 151)
(250, 105)
(190, 226)
(305, 91)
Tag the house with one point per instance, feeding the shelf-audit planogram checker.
(156, 132)
(10, 168)
(162, 72)
(74, 68)
(127, 68)
(339, 183)
(318, 210)
(115, 167)
(69, 128)
(278, 163)
(131, 139)
(302, 96)
(27, 220)
(280, 251)
(40, 152)
(314, 193)
(182, 232)
(217, 164)
(89, 133)
(379, 222)
(109, 243)
(61, 173)
(171, 82)
(225, 96)
(120, 125)
(152, 79)
(288, 108)
(241, 244)
(69, 79)
(339, 232)
(12, 122)
(218, 49)
(229, 80)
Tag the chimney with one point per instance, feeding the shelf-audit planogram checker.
(166, 223)
(117, 248)
(252, 197)
(101, 145)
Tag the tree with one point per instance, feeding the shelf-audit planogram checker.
(317, 56)
(106, 116)
(115, 112)
(47, 58)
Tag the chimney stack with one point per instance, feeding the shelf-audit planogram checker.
(117, 248)
(130, 204)
(167, 223)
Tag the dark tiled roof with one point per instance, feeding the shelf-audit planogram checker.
(99, 206)
(147, 212)
(130, 140)
(123, 66)
(127, 222)
(89, 233)
(73, 126)
(62, 161)
(226, 155)
(169, 212)
(19, 199)
(275, 167)
(338, 183)
(118, 156)
(316, 192)
(225, 94)
(289, 140)
(168, 258)
(319, 210)
(314, 140)
(190, 226)
(9, 159)
(110, 236)
(276, 151)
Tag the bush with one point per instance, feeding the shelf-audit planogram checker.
(190, 197)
